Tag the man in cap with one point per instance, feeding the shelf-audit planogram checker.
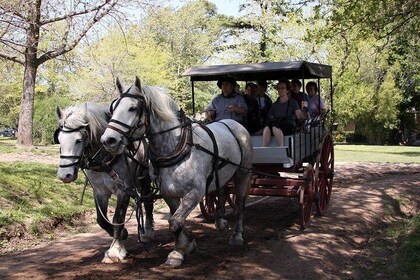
(228, 104)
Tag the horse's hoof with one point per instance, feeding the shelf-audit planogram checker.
(148, 236)
(175, 259)
(124, 234)
(222, 227)
(236, 240)
(108, 259)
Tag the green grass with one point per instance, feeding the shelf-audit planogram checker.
(8, 145)
(367, 153)
(31, 195)
(408, 252)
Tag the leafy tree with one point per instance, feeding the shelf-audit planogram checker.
(189, 36)
(119, 54)
(267, 30)
(373, 46)
(45, 119)
(33, 32)
(10, 86)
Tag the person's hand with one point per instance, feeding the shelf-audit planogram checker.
(231, 108)
(210, 114)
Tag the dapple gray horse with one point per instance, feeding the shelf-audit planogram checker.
(80, 127)
(187, 158)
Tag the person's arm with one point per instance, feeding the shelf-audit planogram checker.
(301, 115)
(210, 115)
(241, 111)
(210, 111)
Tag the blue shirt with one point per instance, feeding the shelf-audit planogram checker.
(220, 103)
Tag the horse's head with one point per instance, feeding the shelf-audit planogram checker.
(130, 117)
(73, 137)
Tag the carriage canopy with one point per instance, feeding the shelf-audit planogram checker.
(260, 71)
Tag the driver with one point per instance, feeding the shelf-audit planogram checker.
(227, 105)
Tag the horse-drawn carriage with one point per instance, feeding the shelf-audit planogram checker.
(190, 160)
(304, 167)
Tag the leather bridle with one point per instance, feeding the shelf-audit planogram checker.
(142, 109)
(78, 158)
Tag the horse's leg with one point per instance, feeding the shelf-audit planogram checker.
(101, 204)
(241, 181)
(149, 233)
(222, 224)
(117, 251)
(184, 243)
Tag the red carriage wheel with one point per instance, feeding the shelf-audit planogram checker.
(208, 206)
(324, 173)
(306, 198)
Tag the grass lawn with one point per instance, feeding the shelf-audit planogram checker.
(370, 153)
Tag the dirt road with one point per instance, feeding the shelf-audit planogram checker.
(340, 245)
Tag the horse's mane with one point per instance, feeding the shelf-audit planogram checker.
(91, 114)
(162, 105)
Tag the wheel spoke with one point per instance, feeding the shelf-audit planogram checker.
(324, 174)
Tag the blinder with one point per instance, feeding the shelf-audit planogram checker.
(111, 107)
(56, 132)
(140, 111)
(84, 131)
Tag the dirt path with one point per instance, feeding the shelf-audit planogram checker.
(336, 246)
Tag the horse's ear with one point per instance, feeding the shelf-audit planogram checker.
(59, 112)
(138, 83)
(119, 86)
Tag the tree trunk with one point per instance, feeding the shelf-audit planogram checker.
(24, 135)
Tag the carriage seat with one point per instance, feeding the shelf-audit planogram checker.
(273, 153)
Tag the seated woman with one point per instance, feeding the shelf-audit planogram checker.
(316, 103)
(282, 115)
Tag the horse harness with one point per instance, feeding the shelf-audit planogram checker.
(102, 161)
(183, 148)
(184, 145)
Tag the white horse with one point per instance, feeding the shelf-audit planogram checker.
(80, 127)
(188, 159)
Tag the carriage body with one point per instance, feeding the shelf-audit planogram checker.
(304, 167)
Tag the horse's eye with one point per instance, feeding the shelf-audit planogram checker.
(132, 109)
(78, 141)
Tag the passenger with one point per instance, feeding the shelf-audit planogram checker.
(295, 93)
(316, 103)
(264, 101)
(228, 104)
(253, 119)
(282, 115)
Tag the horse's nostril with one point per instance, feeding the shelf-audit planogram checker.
(111, 141)
(68, 175)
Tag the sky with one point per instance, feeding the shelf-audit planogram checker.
(227, 7)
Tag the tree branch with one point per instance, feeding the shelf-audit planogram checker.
(66, 47)
(12, 58)
(112, 3)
